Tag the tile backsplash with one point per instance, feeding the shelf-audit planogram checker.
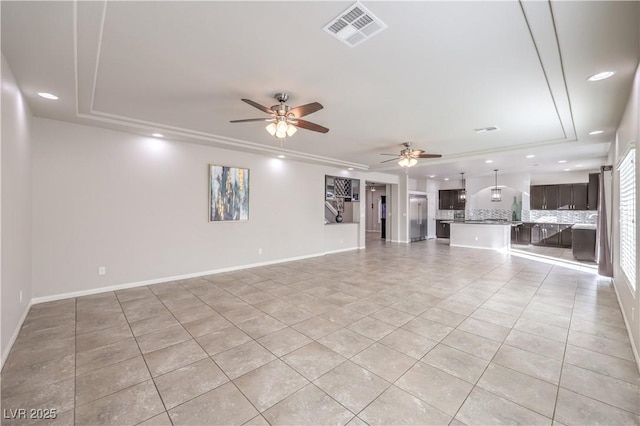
(560, 216)
(474, 214)
(546, 216)
(484, 214)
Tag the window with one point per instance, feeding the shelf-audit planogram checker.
(627, 171)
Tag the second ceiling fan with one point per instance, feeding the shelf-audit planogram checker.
(409, 157)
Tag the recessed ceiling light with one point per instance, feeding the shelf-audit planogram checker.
(48, 96)
(530, 156)
(567, 170)
(281, 156)
(562, 161)
(488, 161)
(446, 178)
(157, 135)
(350, 168)
(432, 176)
(579, 165)
(595, 132)
(601, 76)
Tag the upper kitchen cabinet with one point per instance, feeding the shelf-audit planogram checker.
(544, 197)
(449, 199)
(573, 196)
(593, 189)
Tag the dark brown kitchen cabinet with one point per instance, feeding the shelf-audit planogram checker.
(573, 196)
(537, 197)
(559, 197)
(443, 230)
(551, 197)
(449, 199)
(592, 191)
(545, 234)
(565, 236)
(580, 192)
(521, 234)
(551, 234)
(544, 197)
(536, 234)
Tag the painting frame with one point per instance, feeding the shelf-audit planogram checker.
(228, 193)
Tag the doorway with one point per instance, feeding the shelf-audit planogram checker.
(383, 217)
(377, 207)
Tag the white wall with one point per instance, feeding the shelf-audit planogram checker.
(15, 225)
(628, 131)
(479, 190)
(562, 177)
(138, 206)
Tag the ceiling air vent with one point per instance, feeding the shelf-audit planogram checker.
(487, 129)
(355, 25)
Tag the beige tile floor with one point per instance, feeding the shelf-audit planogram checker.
(416, 333)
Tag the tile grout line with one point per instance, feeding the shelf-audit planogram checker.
(498, 350)
(209, 356)
(143, 358)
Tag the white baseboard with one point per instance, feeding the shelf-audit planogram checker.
(14, 336)
(80, 293)
(341, 250)
(476, 247)
(634, 346)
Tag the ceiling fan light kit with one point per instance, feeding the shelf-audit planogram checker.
(284, 120)
(408, 162)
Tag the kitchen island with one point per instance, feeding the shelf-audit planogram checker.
(488, 235)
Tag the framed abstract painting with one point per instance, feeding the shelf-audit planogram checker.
(228, 193)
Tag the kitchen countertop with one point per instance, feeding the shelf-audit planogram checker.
(588, 226)
(483, 222)
(518, 223)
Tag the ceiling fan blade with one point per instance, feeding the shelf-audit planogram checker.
(393, 159)
(304, 124)
(429, 156)
(307, 109)
(416, 152)
(246, 120)
(395, 155)
(260, 107)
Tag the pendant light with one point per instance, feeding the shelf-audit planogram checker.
(496, 193)
(462, 195)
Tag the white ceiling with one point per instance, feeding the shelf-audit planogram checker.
(438, 71)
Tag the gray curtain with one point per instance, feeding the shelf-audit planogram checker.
(605, 265)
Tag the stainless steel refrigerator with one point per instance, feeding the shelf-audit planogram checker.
(417, 217)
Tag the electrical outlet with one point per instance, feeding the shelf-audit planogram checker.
(20, 296)
(259, 251)
(102, 270)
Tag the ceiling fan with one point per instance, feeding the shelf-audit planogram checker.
(285, 120)
(408, 157)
